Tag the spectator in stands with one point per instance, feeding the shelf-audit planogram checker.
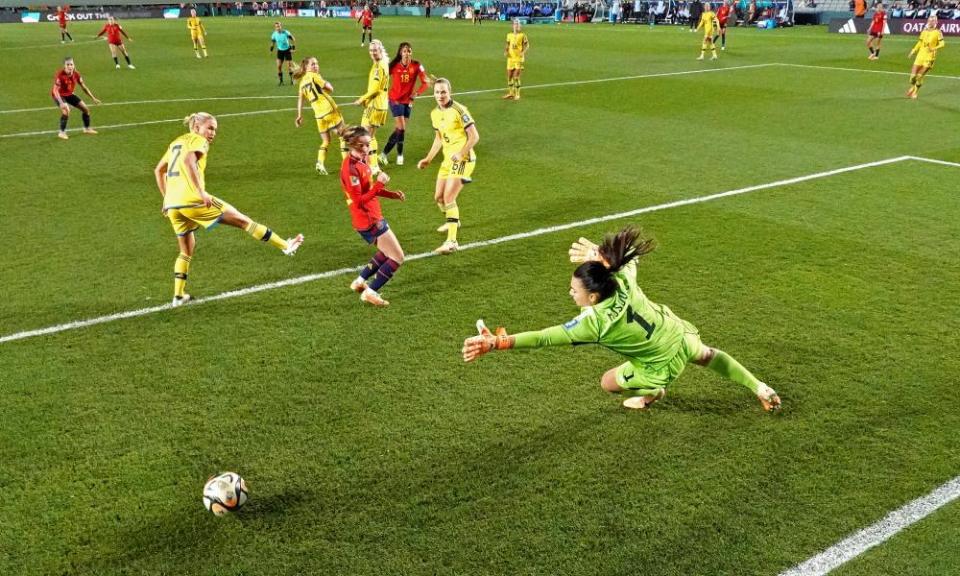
(859, 8)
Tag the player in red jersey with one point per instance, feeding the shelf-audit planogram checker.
(362, 191)
(875, 34)
(723, 13)
(366, 20)
(113, 32)
(404, 72)
(64, 83)
(62, 22)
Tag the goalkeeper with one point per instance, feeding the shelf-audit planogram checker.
(617, 315)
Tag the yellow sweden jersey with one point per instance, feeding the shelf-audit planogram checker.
(180, 191)
(377, 83)
(930, 41)
(708, 20)
(515, 44)
(451, 123)
(311, 86)
(194, 25)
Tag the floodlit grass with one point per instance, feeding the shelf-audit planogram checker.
(368, 446)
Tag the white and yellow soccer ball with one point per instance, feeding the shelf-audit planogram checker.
(224, 493)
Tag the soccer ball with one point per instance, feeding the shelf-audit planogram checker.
(224, 493)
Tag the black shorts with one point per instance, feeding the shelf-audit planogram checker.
(72, 100)
(368, 28)
(876, 35)
(284, 55)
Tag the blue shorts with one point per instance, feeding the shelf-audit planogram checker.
(398, 110)
(371, 234)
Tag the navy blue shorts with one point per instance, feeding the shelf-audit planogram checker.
(371, 234)
(398, 110)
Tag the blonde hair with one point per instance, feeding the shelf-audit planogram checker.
(383, 50)
(196, 119)
(300, 70)
(351, 134)
(444, 81)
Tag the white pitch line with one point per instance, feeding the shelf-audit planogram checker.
(935, 161)
(841, 69)
(470, 246)
(856, 544)
(468, 92)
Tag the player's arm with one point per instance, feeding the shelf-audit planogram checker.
(190, 159)
(160, 173)
(425, 81)
(373, 88)
(203, 29)
(916, 47)
(293, 41)
(299, 119)
(472, 138)
(940, 42)
(437, 145)
(580, 330)
(89, 93)
(102, 31)
(526, 45)
(124, 32)
(506, 49)
(56, 92)
(273, 42)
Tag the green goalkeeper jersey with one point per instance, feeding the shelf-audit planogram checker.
(627, 323)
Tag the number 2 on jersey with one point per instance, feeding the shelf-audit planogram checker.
(171, 173)
(634, 317)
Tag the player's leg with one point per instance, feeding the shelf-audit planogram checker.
(203, 45)
(703, 48)
(187, 243)
(451, 190)
(232, 217)
(369, 122)
(113, 54)
(395, 111)
(340, 128)
(516, 82)
(876, 49)
(392, 255)
(322, 153)
(64, 117)
(921, 74)
(727, 366)
(626, 379)
(402, 126)
(85, 115)
(509, 93)
(126, 56)
(279, 68)
(723, 38)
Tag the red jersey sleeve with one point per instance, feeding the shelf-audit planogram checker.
(424, 79)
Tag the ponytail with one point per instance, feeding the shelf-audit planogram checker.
(616, 251)
(300, 70)
(197, 118)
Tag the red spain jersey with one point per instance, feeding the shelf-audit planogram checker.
(361, 193)
(722, 14)
(113, 33)
(366, 18)
(64, 84)
(402, 80)
(62, 18)
(876, 25)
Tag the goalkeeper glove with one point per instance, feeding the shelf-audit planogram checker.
(584, 250)
(476, 346)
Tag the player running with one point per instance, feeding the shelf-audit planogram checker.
(616, 314)
(64, 83)
(113, 32)
(366, 21)
(516, 52)
(456, 134)
(362, 191)
(931, 40)
(875, 33)
(404, 72)
(188, 206)
(374, 100)
(284, 42)
(62, 23)
(197, 33)
(317, 91)
(723, 14)
(708, 21)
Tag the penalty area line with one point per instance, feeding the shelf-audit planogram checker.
(75, 325)
(875, 534)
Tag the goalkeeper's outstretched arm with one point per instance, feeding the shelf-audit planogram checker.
(486, 341)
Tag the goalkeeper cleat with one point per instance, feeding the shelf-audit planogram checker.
(370, 296)
(448, 247)
(768, 398)
(180, 300)
(644, 402)
(293, 245)
(358, 285)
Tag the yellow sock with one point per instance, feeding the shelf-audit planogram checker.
(322, 154)
(453, 221)
(516, 86)
(180, 269)
(344, 150)
(261, 232)
(373, 160)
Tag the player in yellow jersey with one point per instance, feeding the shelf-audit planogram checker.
(317, 91)
(709, 23)
(516, 53)
(931, 40)
(180, 178)
(374, 100)
(456, 134)
(197, 34)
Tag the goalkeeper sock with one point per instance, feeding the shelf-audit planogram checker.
(453, 221)
(373, 265)
(261, 232)
(384, 274)
(180, 269)
(726, 366)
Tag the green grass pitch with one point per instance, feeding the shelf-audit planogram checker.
(368, 445)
